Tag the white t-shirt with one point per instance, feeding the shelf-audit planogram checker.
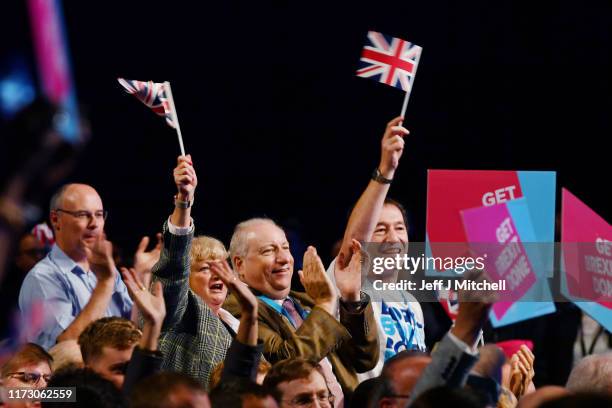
(400, 323)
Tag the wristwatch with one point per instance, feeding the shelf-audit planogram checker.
(378, 177)
(182, 204)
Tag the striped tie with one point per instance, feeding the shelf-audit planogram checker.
(330, 378)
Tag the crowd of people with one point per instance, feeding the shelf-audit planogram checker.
(195, 324)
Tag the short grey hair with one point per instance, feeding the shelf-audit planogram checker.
(238, 244)
(592, 374)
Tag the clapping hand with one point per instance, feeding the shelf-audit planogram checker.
(247, 299)
(348, 279)
(151, 304)
(521, 371)
(316, 282)
(100, 258)
(145, 260)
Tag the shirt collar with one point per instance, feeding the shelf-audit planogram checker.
(63, 261)
(277, 301)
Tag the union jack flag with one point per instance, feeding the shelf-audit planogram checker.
(389, 60)
(152, 94)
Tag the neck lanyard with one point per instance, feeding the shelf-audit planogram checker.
(279, 309)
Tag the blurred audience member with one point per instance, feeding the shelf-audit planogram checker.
(299, 383)
(582, 400)
(542, 395)
(592, 374)
(30, 366)
(242, 393)
(440, 397)
(169, 390)
(262, 371)
(92, 391)
(66, 354)
(399, 376)
(30, 250)
(107, 345)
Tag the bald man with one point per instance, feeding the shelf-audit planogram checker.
(68, 287)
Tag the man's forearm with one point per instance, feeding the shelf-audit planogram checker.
(364, 217)
(95, 309)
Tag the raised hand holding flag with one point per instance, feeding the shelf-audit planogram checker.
(390, 60)
(158, 97)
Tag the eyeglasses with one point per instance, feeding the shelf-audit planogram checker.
(30, 378)
(307, 401)
(85, 215)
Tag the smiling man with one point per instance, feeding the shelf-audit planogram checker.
(64, 285)
(382, 223)
(294, 324)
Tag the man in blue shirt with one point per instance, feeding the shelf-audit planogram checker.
(77, 282)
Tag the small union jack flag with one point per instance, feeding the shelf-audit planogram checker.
(152, 94)
(389, 60)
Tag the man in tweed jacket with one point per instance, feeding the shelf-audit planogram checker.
(193, 339)
(260, 253)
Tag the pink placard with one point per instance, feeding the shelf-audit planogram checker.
(50, 49)
(493, 235)
(587, 251)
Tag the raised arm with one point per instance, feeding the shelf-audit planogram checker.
(146, 359)
(456, 353)
(174, 263)
(186, 182)
(367, 211)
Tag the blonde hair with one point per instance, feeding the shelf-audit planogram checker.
(204, 248)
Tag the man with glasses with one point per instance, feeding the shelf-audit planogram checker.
(29, 367)
(77, 282)
(299, 384)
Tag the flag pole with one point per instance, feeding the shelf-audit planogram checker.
(175, 116)
(407, 96)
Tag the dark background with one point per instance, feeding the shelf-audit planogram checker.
(279, 125)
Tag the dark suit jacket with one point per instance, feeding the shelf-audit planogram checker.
(351, 344)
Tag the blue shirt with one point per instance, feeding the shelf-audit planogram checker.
(63, 289)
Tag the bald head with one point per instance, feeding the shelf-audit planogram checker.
(403, 371)
(77, 216)
(71, 192)
(592, 374)
(542, 395)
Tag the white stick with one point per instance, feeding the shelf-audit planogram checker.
(174, 116)
(416, 65)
